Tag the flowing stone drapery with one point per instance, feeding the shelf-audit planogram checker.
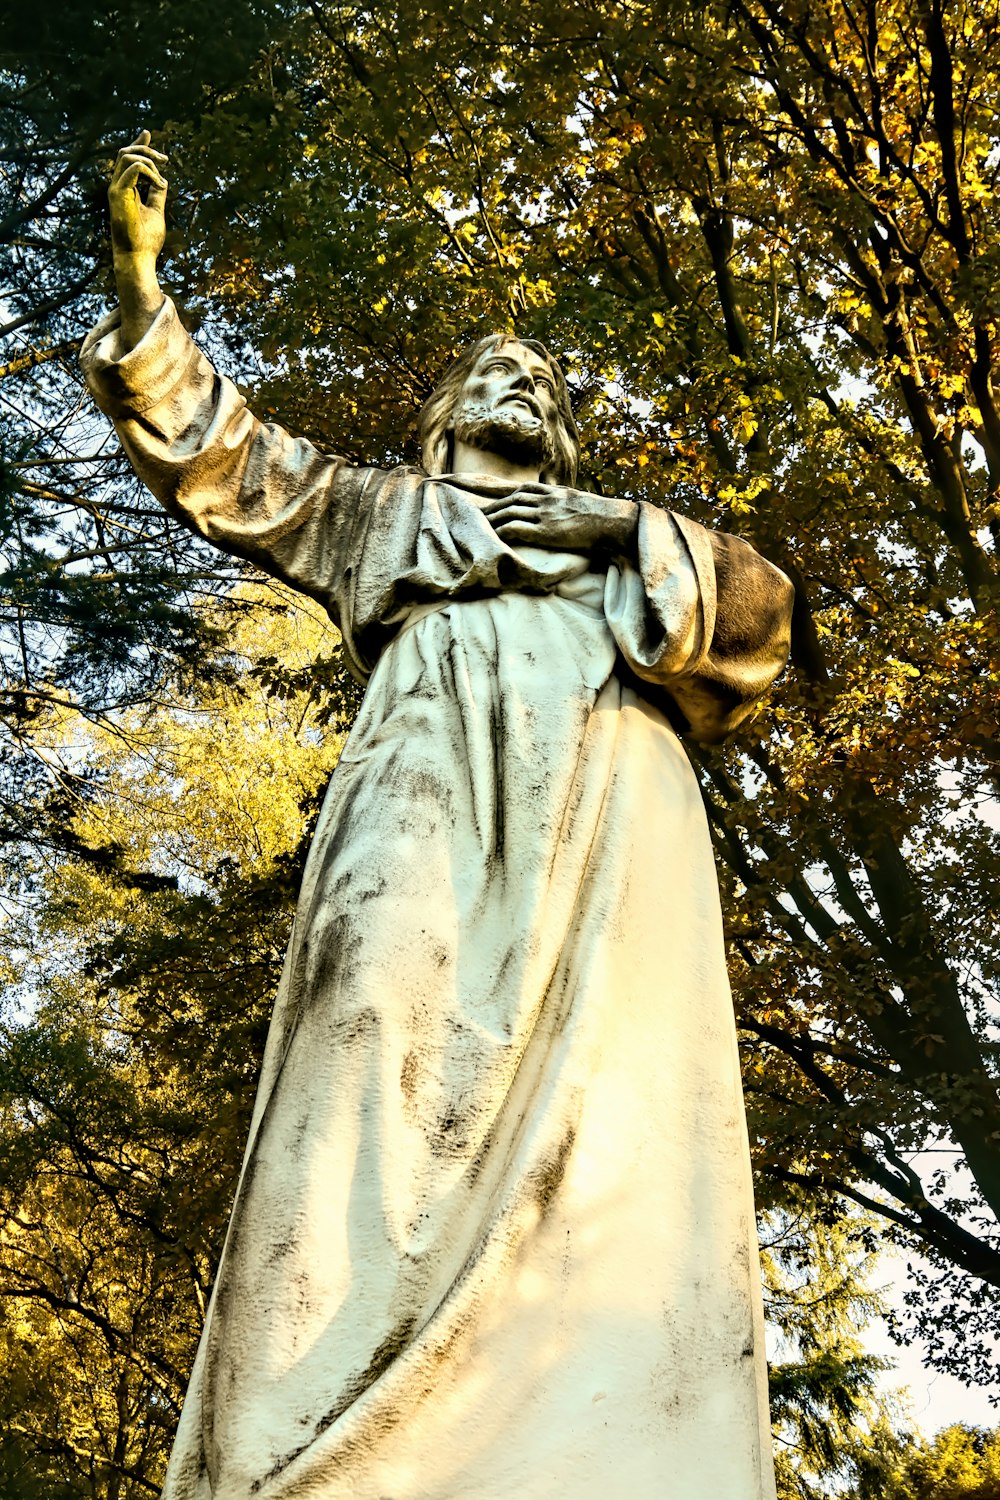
(494, 1232)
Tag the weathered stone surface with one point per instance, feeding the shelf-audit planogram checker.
(494, 1235)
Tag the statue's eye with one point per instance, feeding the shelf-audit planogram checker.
(545, 383)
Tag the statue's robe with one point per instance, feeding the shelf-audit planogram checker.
(494, 1234)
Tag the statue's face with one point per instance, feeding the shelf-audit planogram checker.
(508, 405)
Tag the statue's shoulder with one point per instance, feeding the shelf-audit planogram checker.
(382, 486)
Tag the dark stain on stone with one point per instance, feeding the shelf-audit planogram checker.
(386, 1354)
(551, 1173)
(356, 1026)
(279, 1250)
(478, 1162)
(507, 962)
(408, 1075)
(498, 738)
(449, 1137)
(369, 893)
(389, 1350)
(333, 959)
(423, 784)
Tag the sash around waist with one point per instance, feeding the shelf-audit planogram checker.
(585, 589)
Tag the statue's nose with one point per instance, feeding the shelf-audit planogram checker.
(524, 381)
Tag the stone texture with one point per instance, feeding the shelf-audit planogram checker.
(494, 1234)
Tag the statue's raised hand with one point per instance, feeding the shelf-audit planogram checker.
(137, 196)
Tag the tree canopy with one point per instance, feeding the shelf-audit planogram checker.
(960, 1463)
(761, 236)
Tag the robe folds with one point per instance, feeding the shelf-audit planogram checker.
(494, 1233)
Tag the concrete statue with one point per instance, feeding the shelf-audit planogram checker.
(494, 1233)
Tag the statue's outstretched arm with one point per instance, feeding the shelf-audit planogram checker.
(247, 486)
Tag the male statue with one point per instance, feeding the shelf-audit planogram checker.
(494, 1235)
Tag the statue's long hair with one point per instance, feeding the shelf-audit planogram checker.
(434, 423)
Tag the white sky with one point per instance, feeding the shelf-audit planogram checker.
(935, 1400)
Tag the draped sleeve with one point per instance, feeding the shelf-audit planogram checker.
(246, 486)
(701, 616)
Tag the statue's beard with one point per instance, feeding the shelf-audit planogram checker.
(511, 432)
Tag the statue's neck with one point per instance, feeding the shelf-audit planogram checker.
(475, 463)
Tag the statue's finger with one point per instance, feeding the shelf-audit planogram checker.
(502, 502)
(143, 139)
(515, 531)
(137, 166)
(142, 148)
(140, 153)
(125, 180)
(141, 170)
(127, 161)
(515, 516)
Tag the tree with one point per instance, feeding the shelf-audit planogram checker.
(125, 1093)
(960, 1463)
(95, 588)
(835, 1431)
